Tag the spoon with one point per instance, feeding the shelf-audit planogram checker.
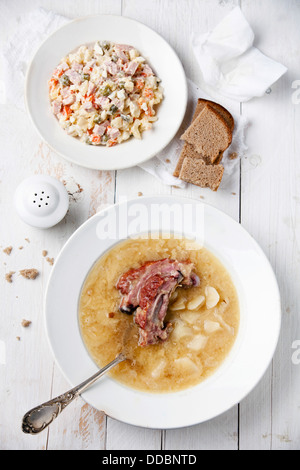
(37, 419)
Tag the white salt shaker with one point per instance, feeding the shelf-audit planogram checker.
(41, 201)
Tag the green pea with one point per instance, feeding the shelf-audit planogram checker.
(113, 108)
(65, 81)
(105, 45)
(97, 119)
(106, 91)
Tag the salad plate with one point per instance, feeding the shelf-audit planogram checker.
(118, 30)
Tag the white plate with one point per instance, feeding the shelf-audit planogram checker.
(259, 308)
(158, 54)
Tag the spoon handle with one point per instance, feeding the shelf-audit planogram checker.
(38, 418)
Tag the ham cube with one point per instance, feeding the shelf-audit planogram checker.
(99, 129)
(131, 67)
(91, 88)
(56, 106)
(88, 107)
(113, 133)
(70, 99)
(74, 77)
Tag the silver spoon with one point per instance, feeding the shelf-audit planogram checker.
(37, 419)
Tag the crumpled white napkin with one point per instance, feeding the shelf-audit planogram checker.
(230, 64)
(18, 50)
(34, 27)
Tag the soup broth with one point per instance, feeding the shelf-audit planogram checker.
(204, 319)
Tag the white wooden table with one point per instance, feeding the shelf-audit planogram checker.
(263, 195)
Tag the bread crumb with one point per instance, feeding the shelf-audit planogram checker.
(18, 338)
(50, 260)
(21, 247)
(27, 240)
(8, 250)
(168, 160)
(9, 276)
(74, 191)
(29, 273)
(44, 252)
(26, 323)
(139, 193)
(234, 194)
(111, 314)
(202, 197)
(232, 156)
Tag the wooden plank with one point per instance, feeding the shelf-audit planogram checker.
(122, 436)
(270, 211)
(221, 432)
(175, 20)
(28, 369)
(87, 429)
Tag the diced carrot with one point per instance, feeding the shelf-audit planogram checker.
(52, 83)
(96, 139)
(112, 142)
(149, 112)
(90, 98)
(57, 73)
(140, 84)
(148, 93)
(67, 111)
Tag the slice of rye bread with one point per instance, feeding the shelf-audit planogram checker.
(201, 103)
(196, 171)
(188, 149)
(209, 133)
